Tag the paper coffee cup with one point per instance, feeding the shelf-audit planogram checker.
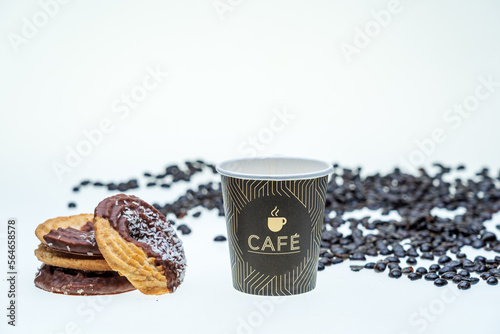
(274, 213)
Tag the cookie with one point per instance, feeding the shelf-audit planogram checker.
(79, 282)
(137, 241)
(60, 259)
(73, 234)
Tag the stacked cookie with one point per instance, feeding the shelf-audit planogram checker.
(126, 244)
(72, 262)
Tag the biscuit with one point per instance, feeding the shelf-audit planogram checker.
(73, 234)
(60, 259)
(137, 241)
(79, 282)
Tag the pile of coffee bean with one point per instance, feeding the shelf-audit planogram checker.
(207, 195)
(418, 235)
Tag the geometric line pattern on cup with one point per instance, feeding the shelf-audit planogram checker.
(303, 277)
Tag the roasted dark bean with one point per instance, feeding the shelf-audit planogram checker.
(434, 267)
(440, 282)
(395, 273)
(431, 276)
(380, 267)
(463, 285)
(443, 259)
(492, 281)
(370, 265)
(414, 276)
(421, 270)
(448, 275)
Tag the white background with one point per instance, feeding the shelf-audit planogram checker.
(231, 69)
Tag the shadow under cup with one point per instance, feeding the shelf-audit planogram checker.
(274, 213)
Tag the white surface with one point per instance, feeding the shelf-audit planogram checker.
(270, 78)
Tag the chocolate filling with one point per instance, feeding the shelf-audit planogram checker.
(71, 240)
(79, 282)
(140, 223)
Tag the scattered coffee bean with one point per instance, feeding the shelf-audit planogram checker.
(412, 261)
(463, 285)
(471, 280)
(492, 281)
(356, 268)
(421, 270)
(184, 229)
(370, 265)
(414, 276)
(434, 267)
(380, 267)
(71, 205)
(431, 277)
(407, 270)
(464, 273)
(440, 282)
(448, 275)
(395, 273)
(222, 238)
(443, 259)
(358, 257)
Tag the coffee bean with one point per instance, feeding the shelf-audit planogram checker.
(325, 261)
(184, 229)
(356, 268)
(447, 269)
(495, 272)
(395, 273)
(407, 270)
(223, 238)
(336, 260)
(370, 265)
(485, 276)
(471, 280)
(454, 264)
(431, 276)
(448, 276)
(463, 285)
(440, 282)
(197, 214)
(380, 267)
(434, 267)
(443, 259)
(457, 279)
(464, 273)
(392, 259)
(492, 281)
(411, 261)
(358, 257)
(76, 189)
(71, 205)
(414, 276)
(421, 270)
(427, 256)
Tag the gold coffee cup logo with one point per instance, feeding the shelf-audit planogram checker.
(275, 223)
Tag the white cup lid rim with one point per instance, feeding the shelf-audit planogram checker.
(274, 168)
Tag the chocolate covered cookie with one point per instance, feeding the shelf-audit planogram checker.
(137, 241)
